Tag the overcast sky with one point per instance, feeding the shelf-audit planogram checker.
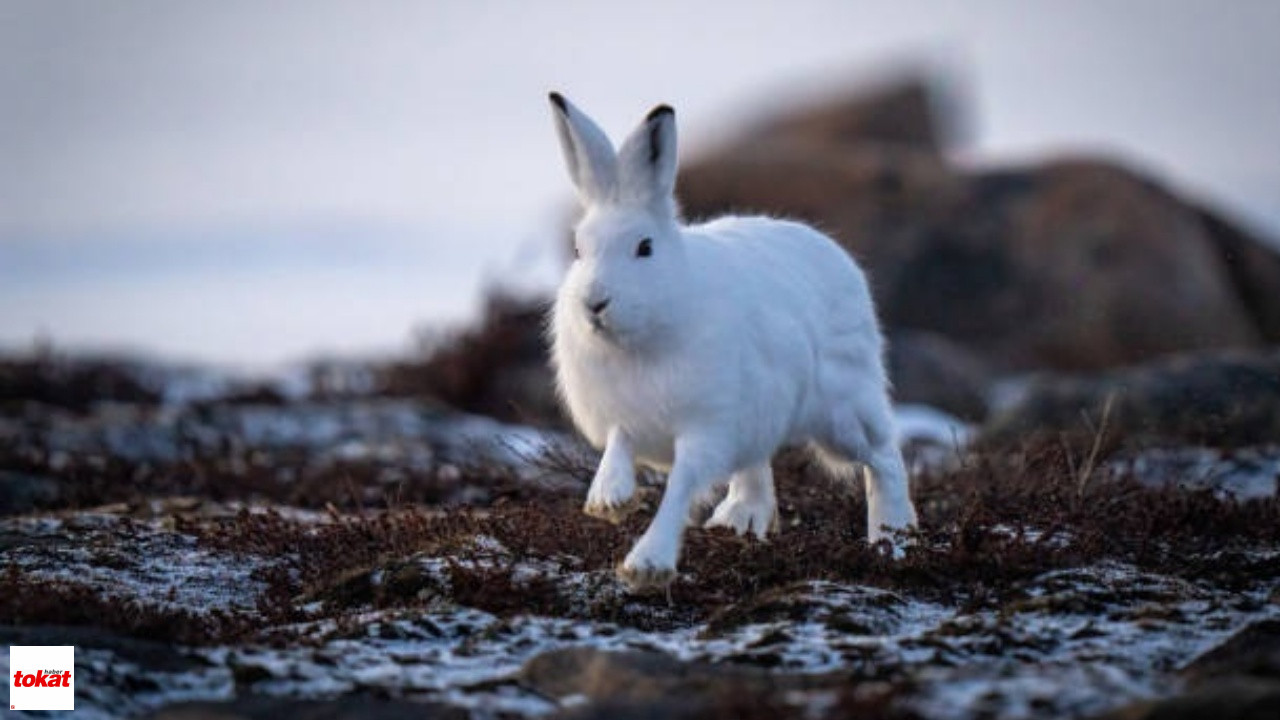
(251, 181)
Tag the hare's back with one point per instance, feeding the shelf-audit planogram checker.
(803, 308)
(787, 265)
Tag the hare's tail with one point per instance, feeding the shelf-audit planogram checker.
(836, 464)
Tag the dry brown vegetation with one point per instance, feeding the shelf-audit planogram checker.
(496, 368)
(45, 378)
(997, 520)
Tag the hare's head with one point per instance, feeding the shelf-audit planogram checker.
(629, 260)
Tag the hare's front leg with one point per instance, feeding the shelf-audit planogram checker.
(614, 486)
(750, 505)
(652, 562)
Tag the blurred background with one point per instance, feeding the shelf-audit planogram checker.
(249, 183)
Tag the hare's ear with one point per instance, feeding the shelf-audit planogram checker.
(647, 160)
(593, 166)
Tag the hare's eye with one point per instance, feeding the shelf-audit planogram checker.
(645, 248)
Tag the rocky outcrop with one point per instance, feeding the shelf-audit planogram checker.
(1071, 264)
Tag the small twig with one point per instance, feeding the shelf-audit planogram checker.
(1091, 462)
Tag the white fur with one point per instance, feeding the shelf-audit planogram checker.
(731, 340)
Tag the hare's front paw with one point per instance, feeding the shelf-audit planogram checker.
(611, 496)
(742, 515)
(649, 566)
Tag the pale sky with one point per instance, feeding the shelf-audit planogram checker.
(254, 181)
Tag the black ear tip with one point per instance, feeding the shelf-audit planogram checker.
(558, 100)
(659, 112)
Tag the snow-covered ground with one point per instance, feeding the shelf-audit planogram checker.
(1069, 642)
(1074, 641)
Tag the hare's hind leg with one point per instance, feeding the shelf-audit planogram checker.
(750, 505)
(889, 506)
(865, 433)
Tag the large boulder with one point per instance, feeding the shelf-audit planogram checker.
(1076, 265)
(1072, 264)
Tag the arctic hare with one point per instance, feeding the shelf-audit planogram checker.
(703, 349)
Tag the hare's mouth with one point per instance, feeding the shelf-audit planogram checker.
(601, 328)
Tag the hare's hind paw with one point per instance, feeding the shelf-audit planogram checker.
(894, 541)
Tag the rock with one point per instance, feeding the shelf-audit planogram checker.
(1237, 680)
(1073, 264)
(634, 684)
(1254, 268)
(344, 708)
(1254, 651)
(879, 202)
(1226, 399)
(23, 492)
(146, 654)
(1234, 699)
(629, 676)
(597, 684)
(929, 369)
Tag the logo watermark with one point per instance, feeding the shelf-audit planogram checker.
(42, 677)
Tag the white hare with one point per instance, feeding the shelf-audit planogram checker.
(704, 349)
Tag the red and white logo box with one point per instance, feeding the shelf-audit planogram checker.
(41, 677)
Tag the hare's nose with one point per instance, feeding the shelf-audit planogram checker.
(597, 306)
